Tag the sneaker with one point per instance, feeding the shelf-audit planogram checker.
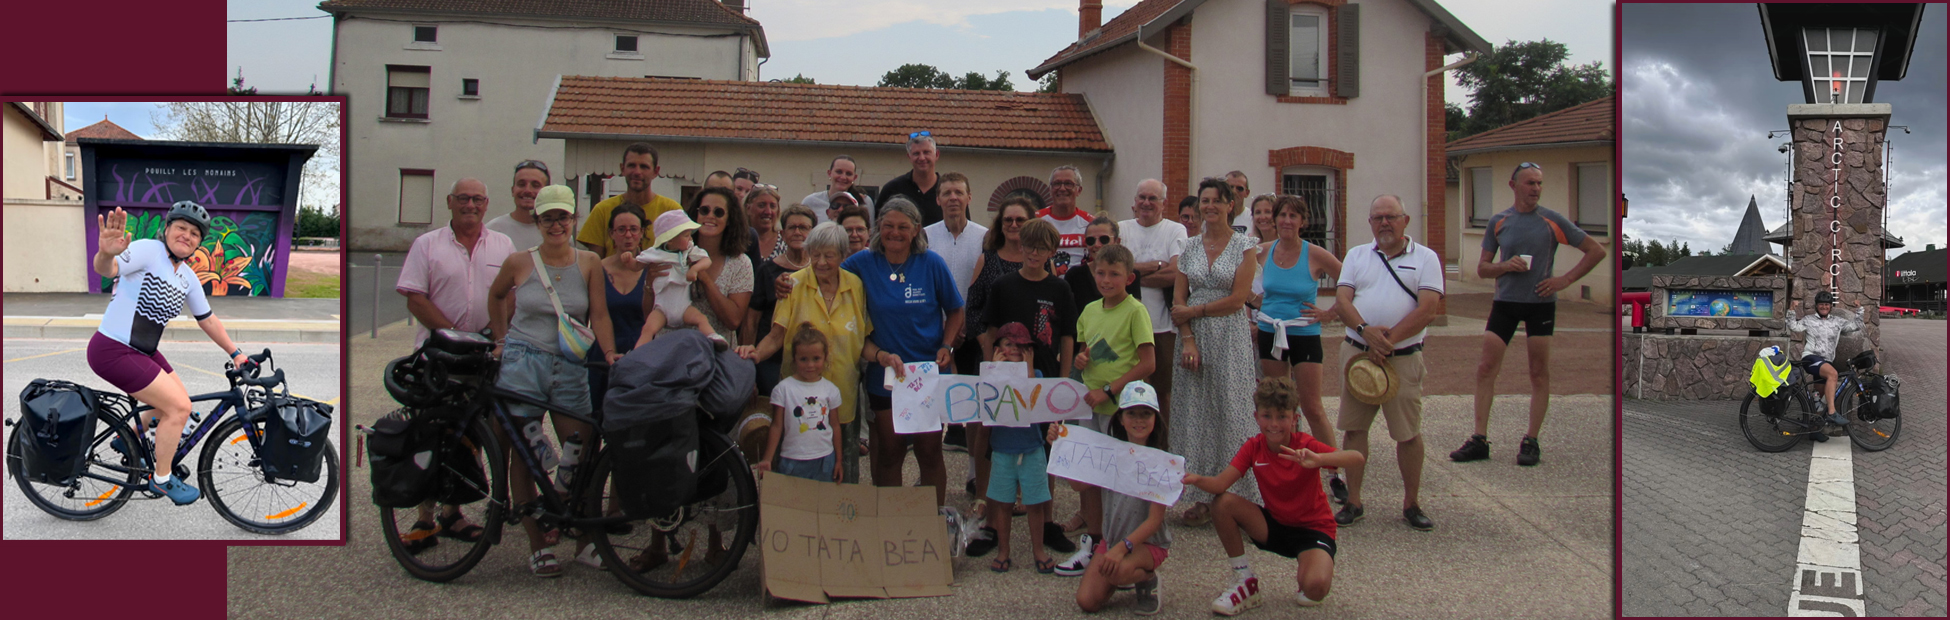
(1819, 437)
(957, 536)
(970, 487)
(1349, 514)
(1301, 598)
(1339, 488)
(1527, 452)
(1838, 419)
(956, 439)
(1240, 597)
(1476, 449)
(177, 490)
(1417, 520)
(1054, 539)
(1075, 566)
(982, 543)
(1147, 596)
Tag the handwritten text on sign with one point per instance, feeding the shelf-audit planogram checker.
(1091, 457)
(1003, 395)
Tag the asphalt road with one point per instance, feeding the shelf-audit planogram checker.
(1711, 525)
(311, 371)
(1509, 542)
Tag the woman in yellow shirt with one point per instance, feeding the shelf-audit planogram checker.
(830, 300)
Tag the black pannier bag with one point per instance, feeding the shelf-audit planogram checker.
(655, 466)
(58, 418)
(402, 450)
(295, 436)
(659, 395)
(1881, 398)
(1775, 404)
(1865, 360)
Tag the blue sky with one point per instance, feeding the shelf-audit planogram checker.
(133, 116)
(855, 42)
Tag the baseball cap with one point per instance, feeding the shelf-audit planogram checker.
(555, 198)
(1138, 394)
(1016, 333)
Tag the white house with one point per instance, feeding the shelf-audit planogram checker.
(45, 241)
(1335, 101)
(441, 90)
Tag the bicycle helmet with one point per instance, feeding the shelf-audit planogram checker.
(192, 213)
(1824, 297)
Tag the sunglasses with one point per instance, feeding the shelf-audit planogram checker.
(1097, 240)
(919, 134)
(711, 211)
(532, 163)
(1520, 167)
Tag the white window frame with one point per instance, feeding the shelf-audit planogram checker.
(1482, 207)
(1603, 200)
(414, 43)
(1853, 88)
(463, 88)
(1297, 87)
(70, 162)
(616, 54)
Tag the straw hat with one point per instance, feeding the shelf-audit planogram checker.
(1369, 382)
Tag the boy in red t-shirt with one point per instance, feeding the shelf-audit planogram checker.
(1296, 522)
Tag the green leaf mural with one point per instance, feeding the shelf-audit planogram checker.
(235, 259)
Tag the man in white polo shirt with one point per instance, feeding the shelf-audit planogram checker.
(1155, 242)
(1388, 293)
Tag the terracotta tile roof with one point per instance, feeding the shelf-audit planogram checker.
(685, 11)
(104, 129)
(1586, 122)
(771, 111)
(1154, 15)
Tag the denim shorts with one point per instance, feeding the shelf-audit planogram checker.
(819, 469)
(543, 375)
(1029, 471)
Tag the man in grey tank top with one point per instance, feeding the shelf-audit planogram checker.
(1526, 236)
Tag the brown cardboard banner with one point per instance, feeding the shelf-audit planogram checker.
(850, 540)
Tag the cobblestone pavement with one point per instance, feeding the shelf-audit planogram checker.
(1899, 492)
(1711, 525)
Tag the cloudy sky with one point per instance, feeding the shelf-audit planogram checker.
(856, 41)
(1699, 99)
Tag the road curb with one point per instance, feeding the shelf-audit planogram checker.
(242, 331)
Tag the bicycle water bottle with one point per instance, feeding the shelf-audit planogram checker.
(196, 417)
(571, 454)
(538, 443)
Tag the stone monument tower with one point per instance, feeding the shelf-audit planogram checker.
(1838, 52)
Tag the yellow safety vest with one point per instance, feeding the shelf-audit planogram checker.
(1770, 373)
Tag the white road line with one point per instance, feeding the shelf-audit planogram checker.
(1828, 571)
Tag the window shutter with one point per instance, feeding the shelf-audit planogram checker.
(1276, 48)
(1347, 75)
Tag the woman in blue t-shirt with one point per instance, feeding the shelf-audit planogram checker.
(916, 311)
(1289, 273)
(153, 282)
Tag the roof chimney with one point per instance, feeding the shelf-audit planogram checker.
(1090, 16)
(736, 5)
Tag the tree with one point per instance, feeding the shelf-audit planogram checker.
(1519, 81)
(316, 222)
(914, 75)
(264, 122)
(1047, 84)
(800, 78)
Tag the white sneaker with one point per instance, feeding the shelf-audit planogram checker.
(1079, 561)
(1301, 598)
(1243, 595)
(590, 558)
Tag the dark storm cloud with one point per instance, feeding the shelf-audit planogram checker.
(1699, 97)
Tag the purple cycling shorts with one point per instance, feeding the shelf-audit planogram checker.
(124, 367)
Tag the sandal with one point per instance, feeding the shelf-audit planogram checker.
(1001, 565)
(543, 564)
(466, 532)
(1046, 566)
(591, 559)
(552, 537)
(648, 560)
(421, 537)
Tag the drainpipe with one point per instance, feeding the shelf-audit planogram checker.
(1467, 58)
(1191, 105)
(1103, 204)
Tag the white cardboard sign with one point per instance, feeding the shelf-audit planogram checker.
(1003, 395)
(1100, 460)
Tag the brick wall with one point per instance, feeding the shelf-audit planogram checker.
(1437, 219)
(1178, 112)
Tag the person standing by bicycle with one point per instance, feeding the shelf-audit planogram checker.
(153, 282)
(1824, 329)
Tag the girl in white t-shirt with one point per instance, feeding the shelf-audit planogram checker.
(802, 415)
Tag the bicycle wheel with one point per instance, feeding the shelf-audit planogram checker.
(689, 555)
(85, 499)
(440, 557)
(1769, 433)
(1873, 436)
(231, 478)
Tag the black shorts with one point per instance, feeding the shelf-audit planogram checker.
(877, 402)
(1813, 363)
(1291, 540)
(1299, 349)
(1538, 319)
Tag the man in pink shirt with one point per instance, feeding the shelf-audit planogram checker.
(448, 270)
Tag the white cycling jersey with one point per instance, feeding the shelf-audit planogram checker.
(150, 291)
(1824, 332)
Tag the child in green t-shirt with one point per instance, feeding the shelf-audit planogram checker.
(1114, 335)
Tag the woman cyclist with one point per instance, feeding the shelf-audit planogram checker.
(154, 280)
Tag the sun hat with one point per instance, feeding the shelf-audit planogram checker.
(1016, 333)
(1371, 383)
(1138, 394)
(670, 223)
(555, 198)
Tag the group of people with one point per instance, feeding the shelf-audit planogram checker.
(827, 292)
